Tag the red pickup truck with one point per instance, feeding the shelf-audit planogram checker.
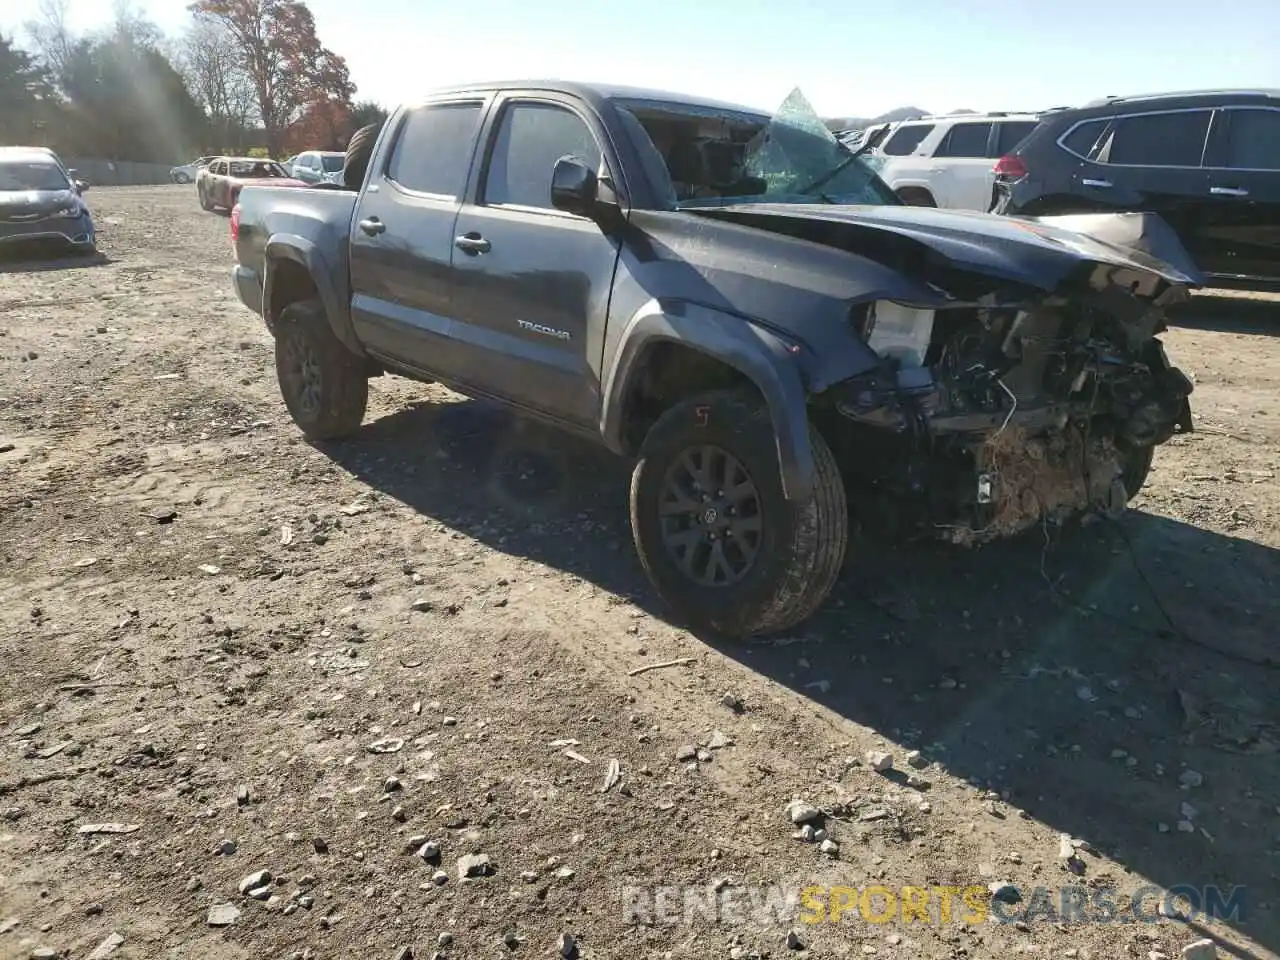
(218, 184)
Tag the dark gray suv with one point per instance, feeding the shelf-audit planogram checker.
(1207, 162)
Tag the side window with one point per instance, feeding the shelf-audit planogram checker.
(433, 150)
(965, 140)
(1158, 139)
(873, 141)
(1253, 139)
(531, 138)
(906, 138)
(1013, 132)
(1084, 138)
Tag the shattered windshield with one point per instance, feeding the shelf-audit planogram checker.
(710, 156)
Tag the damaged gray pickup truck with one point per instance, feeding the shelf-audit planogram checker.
(740, 305)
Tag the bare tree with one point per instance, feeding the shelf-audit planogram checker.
(52, 37)
(289, 67)
(212, 63)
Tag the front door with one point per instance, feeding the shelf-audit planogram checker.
(532, 283)
(402, 237)
(1243, 221)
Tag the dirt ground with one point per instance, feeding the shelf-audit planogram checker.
(206, 624)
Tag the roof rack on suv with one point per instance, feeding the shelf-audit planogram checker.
(1176, 94)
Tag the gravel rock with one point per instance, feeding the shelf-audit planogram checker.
(806, 833)
(474, 865)
(444, 940)
(1191, 779)
(830, 848)
(43, 953)
(391, 785)
(793, 941)
(226, 848)
(1200, 950)
(916, 759)
(429, 850)
(107, 947)
(801, 811)
(686, 753)
(879, 761)
(439, 878)
(567, 946)
(223, 915)
(719, 740)
(260, 878)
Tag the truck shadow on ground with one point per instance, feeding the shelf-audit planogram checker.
(1229, 314)
(1080, 675)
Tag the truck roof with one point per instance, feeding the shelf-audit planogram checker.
(594, 92)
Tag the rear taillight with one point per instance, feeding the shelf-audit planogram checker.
(235, 224)
(1010, 166)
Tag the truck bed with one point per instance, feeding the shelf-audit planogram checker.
(321, 218)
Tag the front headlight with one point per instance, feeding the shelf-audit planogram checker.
(66, 213)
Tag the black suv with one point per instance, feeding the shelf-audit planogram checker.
(1207, 162)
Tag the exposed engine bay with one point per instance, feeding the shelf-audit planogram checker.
(985, 421)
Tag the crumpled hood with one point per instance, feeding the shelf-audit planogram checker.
(1038, 252)
(21, 204)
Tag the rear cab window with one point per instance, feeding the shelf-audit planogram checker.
(434, 146)
(906, 138)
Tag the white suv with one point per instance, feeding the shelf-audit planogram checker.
(944, 161)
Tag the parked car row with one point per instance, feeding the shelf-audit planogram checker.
(1208, 162)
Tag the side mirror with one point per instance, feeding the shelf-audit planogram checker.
(574, 187)
(81, 185)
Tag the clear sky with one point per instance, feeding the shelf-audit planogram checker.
(851, 59)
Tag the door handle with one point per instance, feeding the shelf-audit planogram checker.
(373, 226)
(472, 243)
(1229, 191)
(1103, 184)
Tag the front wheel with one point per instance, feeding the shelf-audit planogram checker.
(722, 544)
(1135, 466)
(205, 203)
(324, 385)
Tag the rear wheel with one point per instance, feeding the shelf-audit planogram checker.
(205, 203)
(324, 385)
(722, 544)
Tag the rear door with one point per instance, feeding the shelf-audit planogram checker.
(1153, 163)
(402, 237)
(961, 173)
(533, 283)
(1243, 218)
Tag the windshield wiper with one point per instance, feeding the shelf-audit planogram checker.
(835, 171)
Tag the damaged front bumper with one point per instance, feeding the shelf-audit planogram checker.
(996, 418)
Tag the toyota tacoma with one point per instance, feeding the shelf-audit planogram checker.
(737, 303)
